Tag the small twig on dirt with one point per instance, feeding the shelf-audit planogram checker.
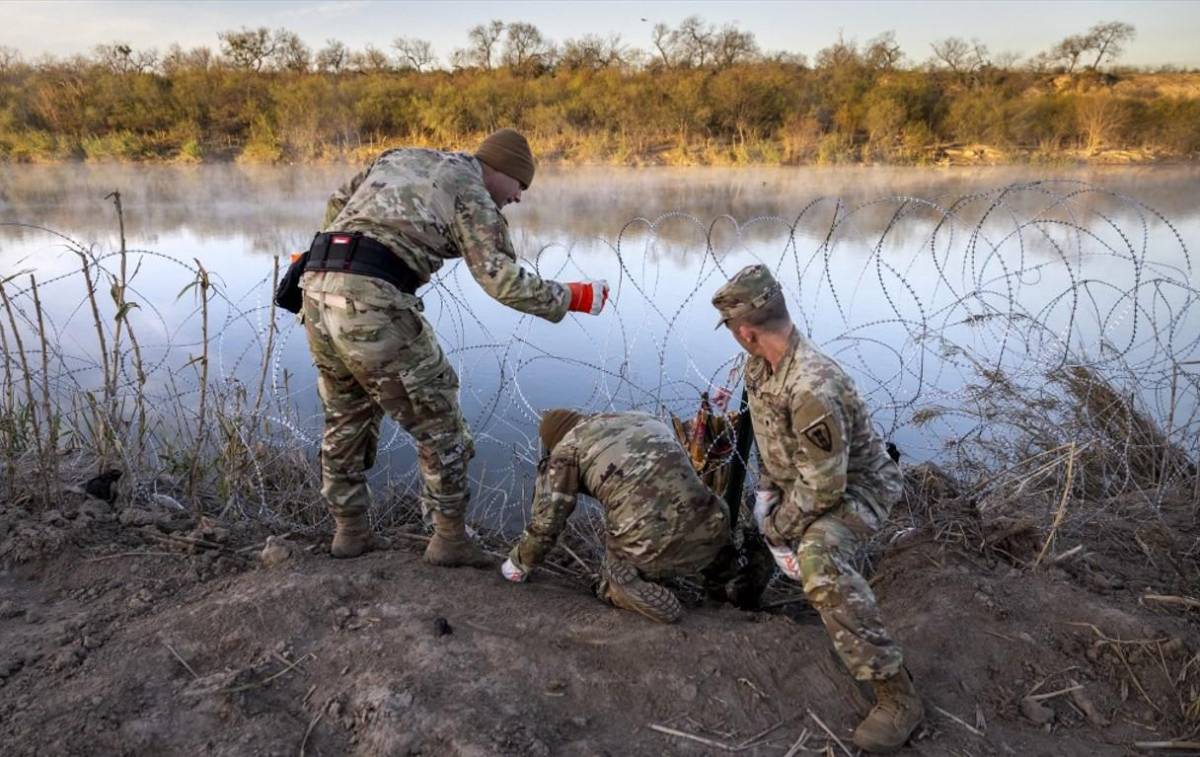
(485, 629)
(959, 720)
(747, 743)
(182, 661)
(189, 540)
(308, 694)
(830, 733)
(1136, 682)
(1171, 599)
(753, 688)
(693, 737)
(799, 745)
(1047, 679)
(268, 679)
(313, 723)
(1053, 694)
(135, 554)
(999, 635)
(1067, 555)
(1166, 744)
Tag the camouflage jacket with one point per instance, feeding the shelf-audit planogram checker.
(657, 512)
(815, 441)
(429, 207)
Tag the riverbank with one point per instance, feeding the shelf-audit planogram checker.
(142, 628)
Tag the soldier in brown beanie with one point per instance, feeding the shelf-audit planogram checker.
(386, 232)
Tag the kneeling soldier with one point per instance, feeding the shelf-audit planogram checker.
(660, 520)
(827, 484)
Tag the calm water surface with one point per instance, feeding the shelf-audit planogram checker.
(907, 276)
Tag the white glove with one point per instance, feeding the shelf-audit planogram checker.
(785, 558)
(512, 572)
(765, 500)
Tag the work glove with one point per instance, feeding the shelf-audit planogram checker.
(765, 500)
(588, 296)
(512, 573)
(788, 562)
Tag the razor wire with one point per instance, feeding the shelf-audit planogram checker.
(917, 298)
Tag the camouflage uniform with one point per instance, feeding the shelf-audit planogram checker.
(658, 515)
(373, 348)
(836, 483)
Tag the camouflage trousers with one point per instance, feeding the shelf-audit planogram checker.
(841, 595)
(678, 554)
(707, 550)
(373, 360)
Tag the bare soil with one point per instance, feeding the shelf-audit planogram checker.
(136, 632)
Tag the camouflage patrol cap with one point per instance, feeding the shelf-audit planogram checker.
(748, 290)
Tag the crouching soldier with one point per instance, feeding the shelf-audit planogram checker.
(660, 520)
(827, 484)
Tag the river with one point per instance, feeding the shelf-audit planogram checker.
(913, 278)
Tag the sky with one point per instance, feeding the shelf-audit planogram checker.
(1167, 32)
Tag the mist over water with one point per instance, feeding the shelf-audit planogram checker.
(910, 277)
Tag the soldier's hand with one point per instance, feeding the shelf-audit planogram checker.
(765, 500)
(511, 572)
(588, 296)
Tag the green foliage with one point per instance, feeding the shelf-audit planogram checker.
(850, 106)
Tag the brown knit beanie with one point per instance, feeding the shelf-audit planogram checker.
(508, 152)
(555, 425)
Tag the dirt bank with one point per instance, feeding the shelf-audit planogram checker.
(137, 632)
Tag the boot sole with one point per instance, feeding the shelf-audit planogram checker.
(651, 601)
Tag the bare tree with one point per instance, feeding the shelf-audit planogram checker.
(414, 53)
(333, 58)
(290, 53)
(591, 51)
(10, 58)
(1069, 50)
(120, 58)
(883, 52)
(663, 40)
(786, 57)
(730, 46)
(694, 41)
(481, 49)
(247, 48)
(962, 57)
(1108, 40)
(371, 60)
(525, 49)
(178, 59)
(839, 55)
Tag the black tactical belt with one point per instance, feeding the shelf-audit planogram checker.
(351, 252)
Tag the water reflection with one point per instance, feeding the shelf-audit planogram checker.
(914, 279)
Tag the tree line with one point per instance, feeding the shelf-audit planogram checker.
(700, 93)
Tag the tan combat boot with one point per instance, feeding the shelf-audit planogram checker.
(353, 537)
(450, 547)
(897, 713)
(621, 586)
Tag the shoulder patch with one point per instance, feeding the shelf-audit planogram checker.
(820, 435)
